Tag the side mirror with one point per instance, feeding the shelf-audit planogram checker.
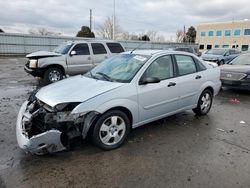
(73, 52)
(226, 54)
(149, 80)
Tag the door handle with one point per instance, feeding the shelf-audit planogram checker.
(198, 77)
(171, 84)
(89, 58)
(106, 57)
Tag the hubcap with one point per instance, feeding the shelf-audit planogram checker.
(112, 130)
(206, 102)
(54, 76)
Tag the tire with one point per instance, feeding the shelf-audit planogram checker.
(111, 130)
(221, 62)
(52, 74)
(204, 104)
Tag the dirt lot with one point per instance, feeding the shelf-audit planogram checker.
(178, 151)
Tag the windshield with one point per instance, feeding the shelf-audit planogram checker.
(63, 48)
(216, 52)
(241, 60)
(120, 68)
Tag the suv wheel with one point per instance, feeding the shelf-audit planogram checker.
(53, 74)
(204, 103)
(111, 130)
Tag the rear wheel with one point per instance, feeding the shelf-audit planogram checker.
(111, 130)
(52, 74)
(204, 103)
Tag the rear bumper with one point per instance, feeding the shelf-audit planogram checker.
(38, 72)
(46, 142)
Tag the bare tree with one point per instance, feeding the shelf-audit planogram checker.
(155, 36)
(43, 31)
(106, 29)
(179, 36)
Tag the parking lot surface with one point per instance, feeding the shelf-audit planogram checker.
(179, 151)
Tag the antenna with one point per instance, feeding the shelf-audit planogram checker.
(137, 47)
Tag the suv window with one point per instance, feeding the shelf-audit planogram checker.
(81, 49)
(98, 48)
(186, 64)
(161, 68)
(115, 47)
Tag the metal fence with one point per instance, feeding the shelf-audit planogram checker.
(21, 44)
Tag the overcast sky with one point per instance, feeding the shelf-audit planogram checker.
(138, 16)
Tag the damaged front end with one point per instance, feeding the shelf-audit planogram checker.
(41, 129)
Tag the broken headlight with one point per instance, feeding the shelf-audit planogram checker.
(66, 106)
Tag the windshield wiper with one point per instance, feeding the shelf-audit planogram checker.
(105, 76)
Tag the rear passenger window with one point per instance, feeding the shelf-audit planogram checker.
(81, 49)
(115, 47)
(98, 48)
(186, 64)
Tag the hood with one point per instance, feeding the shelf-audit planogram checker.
(211, 57)
(213, 65)
(236, 68)
(41, 54)
(75, 89)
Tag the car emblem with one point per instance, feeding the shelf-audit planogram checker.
(229, 75)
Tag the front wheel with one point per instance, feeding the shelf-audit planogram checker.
(111, 130)
(53, 74)
(221, 62)
(204, 103)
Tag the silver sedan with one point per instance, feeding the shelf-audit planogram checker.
(123, 92)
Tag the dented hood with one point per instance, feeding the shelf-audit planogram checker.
(74, 89)
(41, 54)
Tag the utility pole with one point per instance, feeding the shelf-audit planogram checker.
(114, 23)
(90, 19)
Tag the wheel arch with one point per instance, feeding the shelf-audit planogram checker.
(57, 66)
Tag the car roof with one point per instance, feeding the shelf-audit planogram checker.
(92, 40)
(157, 52)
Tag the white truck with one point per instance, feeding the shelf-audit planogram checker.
(70, 58)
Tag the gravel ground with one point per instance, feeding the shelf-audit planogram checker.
(179, 151)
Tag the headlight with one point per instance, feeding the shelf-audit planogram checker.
(248, 77)
(33, 63)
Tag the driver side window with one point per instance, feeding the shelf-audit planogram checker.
(161, 68)
(81, 49)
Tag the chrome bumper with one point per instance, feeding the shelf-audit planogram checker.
(46, 142)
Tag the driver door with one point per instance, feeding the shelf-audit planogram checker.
(158, 99)
(81, 61)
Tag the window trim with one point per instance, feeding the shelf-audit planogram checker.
(117, 43)
(98, 43)
(173, 64)
(230, 34)
(210, 33)
(72, 49)
(247, 29)
(218, 31)
(235, 33)
(177, 68)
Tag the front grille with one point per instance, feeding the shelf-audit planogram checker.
(27, 64)
(232, 76)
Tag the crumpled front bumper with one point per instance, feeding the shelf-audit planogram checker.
(46, 142)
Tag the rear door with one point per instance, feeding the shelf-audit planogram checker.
(80, 62)
(99, 53)
(191, 78)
